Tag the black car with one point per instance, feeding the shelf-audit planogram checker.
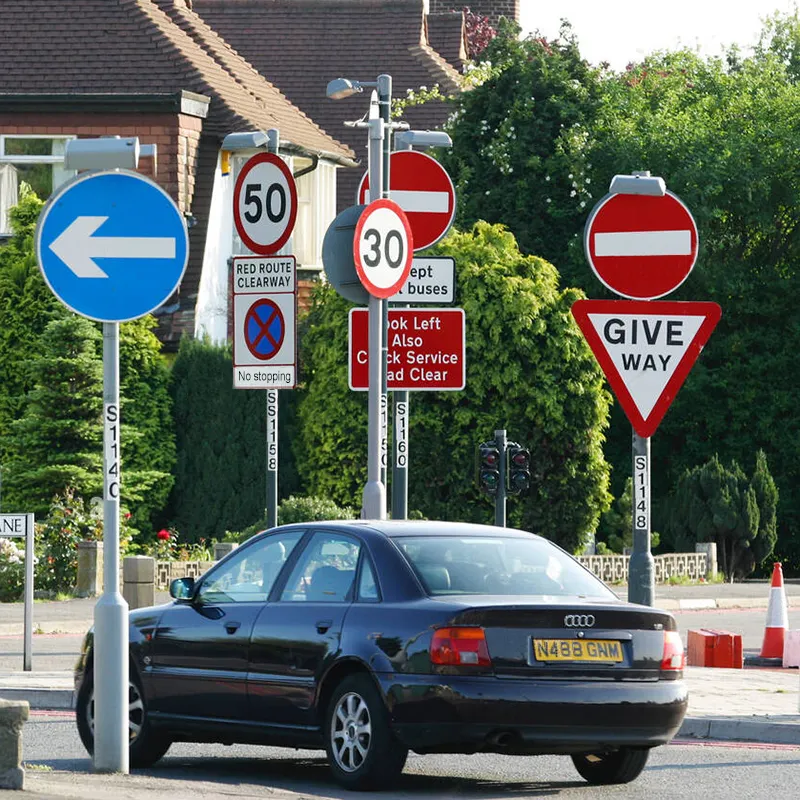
(370, 639)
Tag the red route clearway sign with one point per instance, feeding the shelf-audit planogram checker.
(646, 349)
(426, 350)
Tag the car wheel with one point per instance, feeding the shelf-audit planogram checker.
(619, 766)
(146, 746)
(362, 752)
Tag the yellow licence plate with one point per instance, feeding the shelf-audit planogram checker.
(577, 650)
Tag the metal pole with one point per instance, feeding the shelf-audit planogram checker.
(400, 443)
(111, 612)
(273, 144)
(373, 505)
(641, 572)
(272, 457)
(385, 113)
(500, 497)
(28, 633)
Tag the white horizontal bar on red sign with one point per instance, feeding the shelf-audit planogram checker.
(643, 243)
(415, 202)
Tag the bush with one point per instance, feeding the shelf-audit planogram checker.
(12, 571)
(299, 509)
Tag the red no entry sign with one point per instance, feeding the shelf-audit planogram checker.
(426, 349)
(421, 186)
(640, 246)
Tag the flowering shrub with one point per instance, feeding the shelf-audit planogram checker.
(12, 571)
(69, 521)
(166, 547)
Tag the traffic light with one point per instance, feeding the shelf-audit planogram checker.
(519, 468)
(488, 467)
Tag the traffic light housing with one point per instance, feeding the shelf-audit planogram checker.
(488, 467)
(519, 468)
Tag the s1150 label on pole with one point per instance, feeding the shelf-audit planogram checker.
(111, 440)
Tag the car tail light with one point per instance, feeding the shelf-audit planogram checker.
(674, 657)
(460, 647)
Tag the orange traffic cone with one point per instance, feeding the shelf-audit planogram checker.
(777, 617)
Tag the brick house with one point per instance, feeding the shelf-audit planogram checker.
(300, 45)
(154, 69)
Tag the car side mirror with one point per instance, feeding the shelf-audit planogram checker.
(181, 588)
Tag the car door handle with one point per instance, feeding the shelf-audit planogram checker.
(323, 625)
(232, 627)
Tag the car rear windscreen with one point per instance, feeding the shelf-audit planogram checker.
(498, 566)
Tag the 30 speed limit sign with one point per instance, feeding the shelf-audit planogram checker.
(383, 248)
(265, 204)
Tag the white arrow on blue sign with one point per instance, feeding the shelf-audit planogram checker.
(112, 246)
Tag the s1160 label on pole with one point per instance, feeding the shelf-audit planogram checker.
(111, 441)
(401, 434)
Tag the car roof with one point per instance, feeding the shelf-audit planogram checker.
(404, 527)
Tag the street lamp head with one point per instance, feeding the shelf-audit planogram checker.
(340, 88)
(245, 140)
(422, 139)
(638, 183)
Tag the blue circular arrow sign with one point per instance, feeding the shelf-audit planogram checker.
(112, 246)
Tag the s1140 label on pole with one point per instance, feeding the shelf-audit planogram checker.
(111, 440)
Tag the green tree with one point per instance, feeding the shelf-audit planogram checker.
(528, 371)
(26, 306)
(520, 140)
(57, 443)
(147, 434)
(719, 503)
(220, 434)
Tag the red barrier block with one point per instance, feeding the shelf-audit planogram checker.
(710, 648)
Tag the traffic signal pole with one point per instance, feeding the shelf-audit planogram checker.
(500, 497)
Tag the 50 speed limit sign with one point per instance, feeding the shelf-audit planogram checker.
(265, 204)
(383, 248)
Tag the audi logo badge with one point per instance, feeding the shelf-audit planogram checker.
(579, 620)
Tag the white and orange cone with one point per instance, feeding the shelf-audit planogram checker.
(777, 617)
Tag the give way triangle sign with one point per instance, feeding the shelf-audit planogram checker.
(646, 349)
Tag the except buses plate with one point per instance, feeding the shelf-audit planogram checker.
(565, 650)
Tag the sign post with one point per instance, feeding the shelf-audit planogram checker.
(18, 526)
(265, 293)
(112, 246)
(642, 243)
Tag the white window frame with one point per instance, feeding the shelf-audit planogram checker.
(34, 159)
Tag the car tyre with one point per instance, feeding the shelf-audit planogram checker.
(146, 746)
(619, 766)
(362, 751)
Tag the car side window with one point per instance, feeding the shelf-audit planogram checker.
(325, 571)
(248, 576)
(367, 586)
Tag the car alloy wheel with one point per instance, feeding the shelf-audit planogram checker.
(362, 750)
(135, 712)
(351, 732)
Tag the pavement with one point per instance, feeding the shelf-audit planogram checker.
(754, 704)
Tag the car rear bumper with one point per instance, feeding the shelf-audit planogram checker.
(432, 713)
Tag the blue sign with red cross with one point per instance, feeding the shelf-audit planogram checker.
(264, 329)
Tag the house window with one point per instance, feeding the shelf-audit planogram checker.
(35, 160)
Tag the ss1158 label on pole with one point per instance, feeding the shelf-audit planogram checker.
(111, 441)
(272, 430)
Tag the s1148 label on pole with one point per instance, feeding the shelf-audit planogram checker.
(641, 493)
(111, 440)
